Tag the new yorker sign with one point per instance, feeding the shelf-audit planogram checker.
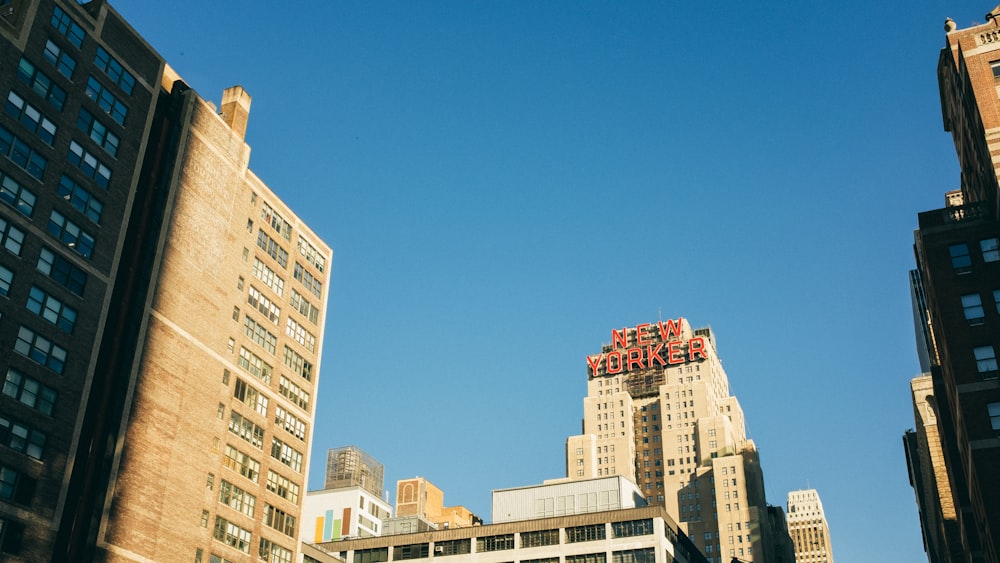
(656, 345)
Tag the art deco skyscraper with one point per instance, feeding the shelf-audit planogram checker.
(658, 411)
(161, 309)
(957, 301)
(808, 527)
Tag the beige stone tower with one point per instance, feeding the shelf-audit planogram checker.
(658, 411)
(808, 527)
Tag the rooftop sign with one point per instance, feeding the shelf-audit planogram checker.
(656, 345)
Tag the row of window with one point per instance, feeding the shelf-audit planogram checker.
(462, 546)
(961, 259)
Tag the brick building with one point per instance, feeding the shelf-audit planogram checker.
(161, 309)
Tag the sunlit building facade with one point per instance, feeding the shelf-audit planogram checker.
(161, 309)
(808, 527)
(658, 411)
(957, 305)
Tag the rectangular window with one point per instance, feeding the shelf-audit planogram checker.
(302, 305)
(27, 115)
(373, 555)
(236, 498)
(249, 396)
(986, 361)
(286, 454)
(273, 553)
(993, 409)
(991, 249)
(539, 538)
(15, 486)
(21, 438)
(62, 271)
(16, 196)
(89, 164)
(294, 393)
(246, 429)
(311, 255)
(259, 334)
(98, 132)
(272, 248)
(21, 154)
(114, 70)
(587, 558)
(255, 366)
(297, 363)
(279, 520)
(41, 84)
(972, 306)
(260, 301)
(64, 63)
(282, 486)
(6, 278)
(411, 551)
(590, 532)
(996, 299)
(29, 392)
(961, 262)
(290, 423)
(631, 528)
(300, 334)
(644, 555)
(271, 217)
(11, 238)
(307, 280)
(71, 234)
(241, 463)
(267, 275)
(40, 349)
(67, 27)
(51, 309)
(452, 547)
(231, 534)
(106, 100)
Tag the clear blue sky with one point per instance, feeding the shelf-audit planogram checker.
(505, 182)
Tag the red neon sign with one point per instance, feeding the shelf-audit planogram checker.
(646, 353)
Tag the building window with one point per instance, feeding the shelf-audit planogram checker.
(70, 233)
(246, 429)
(272, 248)
(587, 558)
(373, 555)
(260, 301)
(286, 454)
(249, 396)
(495, 543)
(106, 100)
(41, 84)
(961, 262)
(62, 271)
(300, 334)
(307, 280)
(89, 164)
(11, 237)
(294, 393)
(114, 70)
(259, 334)
(991, 249)
(15, 486)
(297, 363)
(972, 306)
(6, 278)
(40, 349)
(21, 438)
(67, 27)
(231, 534)
(31, 118)
(986, 360)
(631, 528)
(587, 533)
(64, 63)
(996, 299)
(994, 411)
(241, 463)
(30, 392)
(98, 132)
(282, 486)
(271, 217)
(645, 555)
(51, 309)
(267, 275)
(236, 498)
(452, 547)
(21, 154)
(254, 365)
(273, 553)
(81, 199)
(411, 551)
(290, 423)
(303, 306)
(311, 254)
(539, 538)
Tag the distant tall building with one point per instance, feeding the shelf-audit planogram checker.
(808, 527)
(419, 497)
(957, 301)
(349, 466)
(161, 309)
(658, 412)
